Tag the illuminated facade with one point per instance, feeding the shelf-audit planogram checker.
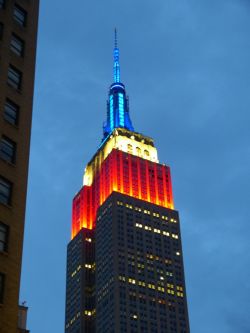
(124, 264)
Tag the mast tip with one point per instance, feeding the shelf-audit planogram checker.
(116, 43)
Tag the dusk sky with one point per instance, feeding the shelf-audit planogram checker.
(186, 67)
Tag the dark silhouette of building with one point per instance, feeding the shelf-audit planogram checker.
(125, 269)
(18, 31)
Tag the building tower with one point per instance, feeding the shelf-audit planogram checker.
(124, 262)
(18, 31)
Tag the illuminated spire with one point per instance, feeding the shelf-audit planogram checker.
(116, 61)
(116, 43)
(117, 106)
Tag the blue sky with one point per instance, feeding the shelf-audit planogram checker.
(186, 68)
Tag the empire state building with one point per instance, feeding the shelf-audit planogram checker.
(125, 268)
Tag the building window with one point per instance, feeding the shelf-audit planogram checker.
(17, 45)
(20, 15)
(5, 191)
(2, 281)
(130, 149)
(14, 77)
(4, 235)
(11, 112)
(1, 30)
(7, 150)
(138, 151)
(2, 4)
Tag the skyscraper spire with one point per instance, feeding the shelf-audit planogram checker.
(116, 43)
(116, 60)
(117, 106)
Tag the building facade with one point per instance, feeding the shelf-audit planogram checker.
(18, 33)
(125, 270)
(22, 319)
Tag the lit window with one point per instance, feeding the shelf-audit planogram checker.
(17, 45)
(7, 150)
(170, 292)
(14, 77)
(5, 191)
(88, 240)
(175, 236)
(11, 112)
(4, 233)
(89, 313)
(20, 15)
(2, 280)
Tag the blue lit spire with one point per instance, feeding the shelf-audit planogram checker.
(116, 61)
(117, 105)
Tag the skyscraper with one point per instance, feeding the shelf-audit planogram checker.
(18, 31)
(124, 262)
